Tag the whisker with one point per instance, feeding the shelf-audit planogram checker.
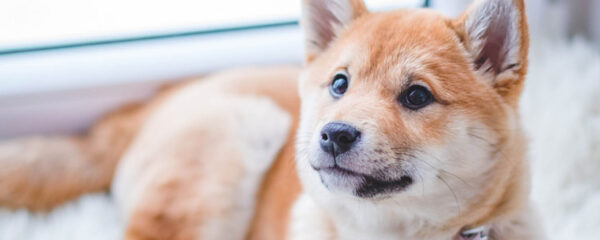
(442, 171)
(482, 139)
(453, 193)
(496, 129)
(422, 184)
(493, 145)
(396, 202)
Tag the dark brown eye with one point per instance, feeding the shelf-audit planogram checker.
(416, 97)
(339, 85)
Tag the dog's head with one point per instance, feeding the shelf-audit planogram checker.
(409, 103)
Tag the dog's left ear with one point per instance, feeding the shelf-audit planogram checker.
(495, 35)
(324, 20)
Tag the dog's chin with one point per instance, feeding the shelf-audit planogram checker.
(338, 179)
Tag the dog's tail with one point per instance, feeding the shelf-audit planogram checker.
(40, 172)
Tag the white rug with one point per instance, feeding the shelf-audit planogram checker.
(561, 112)
(91, 217)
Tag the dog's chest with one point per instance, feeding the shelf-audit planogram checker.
(309, 221)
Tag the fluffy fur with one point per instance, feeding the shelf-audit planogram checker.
(183, 160)
(199, 141)
(158, 204)
(555, 188)
(463, 155)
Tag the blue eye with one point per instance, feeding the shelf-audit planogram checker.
(339, 85)
(416, 97)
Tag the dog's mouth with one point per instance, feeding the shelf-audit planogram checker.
(365, 186)
(338, 171)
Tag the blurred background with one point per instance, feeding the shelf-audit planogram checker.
(64, 63)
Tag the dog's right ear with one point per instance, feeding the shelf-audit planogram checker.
(323, 20)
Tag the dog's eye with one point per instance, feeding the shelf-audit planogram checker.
(339, 85)
(416, 97)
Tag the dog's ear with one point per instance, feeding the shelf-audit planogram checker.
(323, 20)
(495, 35)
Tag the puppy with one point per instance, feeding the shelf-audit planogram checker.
(407, 128)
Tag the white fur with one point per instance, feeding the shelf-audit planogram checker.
(323, 20)
(400, 217)
(560, 112)
(341, 9)
(256, 126)
(482, 14)
(263, 128)
(307, 221)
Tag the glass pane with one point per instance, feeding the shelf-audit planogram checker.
(27, 23)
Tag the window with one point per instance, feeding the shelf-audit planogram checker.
(41, 24)
(68, 62)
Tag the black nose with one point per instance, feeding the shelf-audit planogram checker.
(337, 138)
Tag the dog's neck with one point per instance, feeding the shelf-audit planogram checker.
(389, 219)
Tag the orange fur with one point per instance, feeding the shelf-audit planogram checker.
(71, 165)
(183, 171)
(383, 53)
(201, 182)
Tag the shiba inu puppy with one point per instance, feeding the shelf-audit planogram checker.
(407, 128)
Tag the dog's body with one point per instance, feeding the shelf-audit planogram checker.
(408, 129)
(182, 171)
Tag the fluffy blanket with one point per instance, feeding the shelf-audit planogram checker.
(561, 113)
